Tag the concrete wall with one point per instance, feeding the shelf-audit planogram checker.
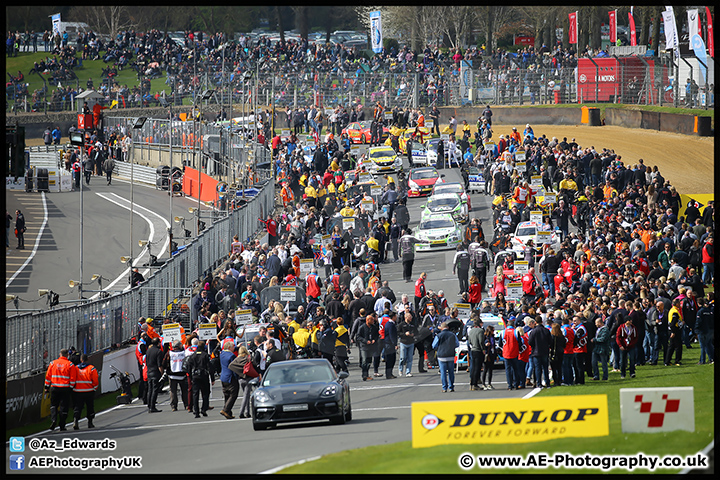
(518, 116)
(664, 122)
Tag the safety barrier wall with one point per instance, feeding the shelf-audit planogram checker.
(664, 122)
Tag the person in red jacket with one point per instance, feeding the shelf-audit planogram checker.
(510, 355)
(420, 290)
(313, 284)
(708, 261)
(626, 338)
(568, 355)
(579, 349)
(59, 381)
(530, 286)
(524, 351)
(474, 292)
(271, 227)
(559, 279)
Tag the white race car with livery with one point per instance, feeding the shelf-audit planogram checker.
(440, 231)
(528, 231)
(450, 203)
(453, 187)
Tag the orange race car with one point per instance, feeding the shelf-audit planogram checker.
(359, 132)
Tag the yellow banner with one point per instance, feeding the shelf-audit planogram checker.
(701, 200)
(508, 420)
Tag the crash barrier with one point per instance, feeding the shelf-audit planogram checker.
(139, 173)
(665, 122)
(33, 340)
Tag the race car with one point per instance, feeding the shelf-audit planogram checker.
(420, 156)
(527, 231)
(446, 203)
(453, 187)
(362, 176)
(408, 134)
(383, 160)
(359, 132)
(432, 146)
(476, 180)
(440, 230)
(461, 352)
(421, 181)
(308, 151)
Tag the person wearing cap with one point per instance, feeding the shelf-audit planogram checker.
(152, 333)
(528, 132)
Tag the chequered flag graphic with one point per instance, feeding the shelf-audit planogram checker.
(656, 419)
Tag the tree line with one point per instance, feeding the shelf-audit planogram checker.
(444, 25)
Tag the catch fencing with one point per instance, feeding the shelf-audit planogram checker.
(617, 78)
(220, 149)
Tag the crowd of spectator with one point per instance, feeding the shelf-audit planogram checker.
(214, 59)
(626, 287)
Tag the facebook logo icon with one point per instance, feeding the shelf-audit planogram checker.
(17, 462)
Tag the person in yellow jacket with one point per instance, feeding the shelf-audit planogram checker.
(386, 225)
(373, 249)
(311, 195)
(347, 211)
(321, 195)
(341, 345)
(569, 185)
(675, 327)
(301, 335)
(314, 345)
(86, 383)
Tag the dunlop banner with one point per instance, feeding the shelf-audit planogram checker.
(508, 420)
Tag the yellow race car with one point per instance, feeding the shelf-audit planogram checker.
(419, 134)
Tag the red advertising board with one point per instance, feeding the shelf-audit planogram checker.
(612, 76)
(85, 121)
(523, 40)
